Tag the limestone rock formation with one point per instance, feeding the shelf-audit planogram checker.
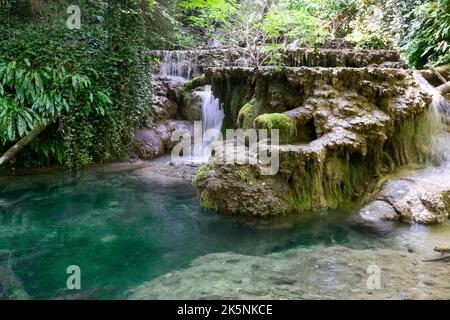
(332, 58)
(165, 104)
(353, 124)
(166, 129)
(150, 143)
(302, 273)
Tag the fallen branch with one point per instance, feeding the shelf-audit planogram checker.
(438, 74)
(445, 88)
(8, 155)
(442, 258)
(432, 73)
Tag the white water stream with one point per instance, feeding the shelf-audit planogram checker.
(183, 66)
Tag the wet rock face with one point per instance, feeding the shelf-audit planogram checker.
(147, 144)
(165, 104)
(409, 200)
(352, 126)
(150, 143)
(191, 109)
(379, 211)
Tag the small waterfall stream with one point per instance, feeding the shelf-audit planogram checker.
(183, 66)
(179, 64)
(212, 114)
(440, 114)
(440, 106)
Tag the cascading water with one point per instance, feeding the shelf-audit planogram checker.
(212, 118)
(183, 66)
(440, 116)
(440, 106)
(179, 64)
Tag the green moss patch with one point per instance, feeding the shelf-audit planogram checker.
(247, 115)
(279, 121)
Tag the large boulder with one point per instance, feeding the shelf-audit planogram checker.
(378, 211)
(191, 109)
(147, 144)
(166, 129)
(410, 200)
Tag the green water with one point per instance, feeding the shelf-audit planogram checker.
(123, 230)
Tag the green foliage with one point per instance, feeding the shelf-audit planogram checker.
(369, 40)
(210, 14)
(15, 121)
(335, 15)
(85, 79)
(285, 24)
(428, 39)
(278, 121)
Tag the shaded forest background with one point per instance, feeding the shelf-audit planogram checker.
(91, 88)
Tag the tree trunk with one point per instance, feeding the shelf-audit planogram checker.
(438, 75)
(431, 76)
(24, 142)
(444, 89)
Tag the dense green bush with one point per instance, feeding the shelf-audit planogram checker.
(94, 82)
(428, 39)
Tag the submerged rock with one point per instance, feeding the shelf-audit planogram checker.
(302, 273)
(10, 286)
(379, 211)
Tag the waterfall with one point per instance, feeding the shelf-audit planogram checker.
(212, 111)
(182, 66)
(212, 118)
(440, 117)
(179, 64)
(440, 107)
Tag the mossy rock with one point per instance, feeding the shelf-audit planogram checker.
(193, 83)
(245, 174)
(247, 115)
(200, 173)
(279, 121)
(184, 94)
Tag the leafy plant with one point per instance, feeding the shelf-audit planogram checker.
(85, 79)
(428, 39)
